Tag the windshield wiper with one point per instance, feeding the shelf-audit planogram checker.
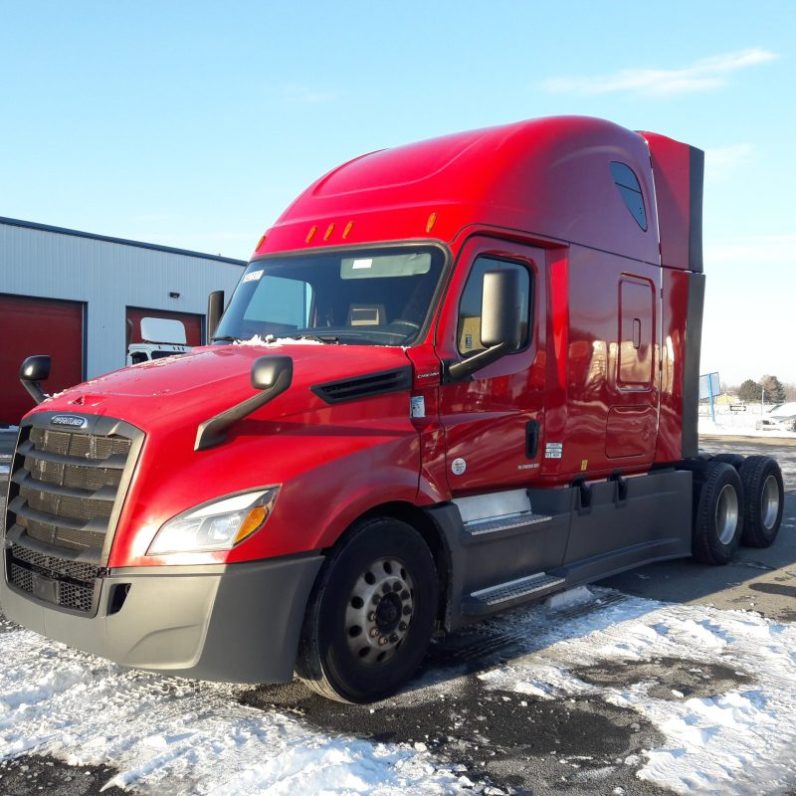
(323, 338)
(225, 339)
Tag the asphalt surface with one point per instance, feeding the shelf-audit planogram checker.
(505, 742)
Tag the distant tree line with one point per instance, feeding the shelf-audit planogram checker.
(769, 388)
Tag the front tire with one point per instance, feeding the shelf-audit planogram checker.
(371, 615)
(718, 514)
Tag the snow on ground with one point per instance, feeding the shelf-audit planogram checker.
(732, 735)
(737, 742)
(175, 736)
(738, 424)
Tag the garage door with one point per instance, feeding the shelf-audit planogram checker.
(191, 323)
(37, 326)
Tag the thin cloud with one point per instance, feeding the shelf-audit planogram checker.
(759, 249)
(702, 75)
(721, 162)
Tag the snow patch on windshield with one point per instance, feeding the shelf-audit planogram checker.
(269, 340)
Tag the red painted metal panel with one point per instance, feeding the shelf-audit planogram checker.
(37, 326)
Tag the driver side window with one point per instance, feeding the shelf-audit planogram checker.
(468, 333)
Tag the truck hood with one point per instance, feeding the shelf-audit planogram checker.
(194, 387)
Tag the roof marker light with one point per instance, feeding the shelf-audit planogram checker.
(329, 231)
(260, 243)
(348, 227)
(432, 219)
(311, 234)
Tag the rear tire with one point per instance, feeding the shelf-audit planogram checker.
(733, 459)
(371, 614)
(718, 513)
(764, 501)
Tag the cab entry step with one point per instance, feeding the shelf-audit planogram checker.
(503, 595)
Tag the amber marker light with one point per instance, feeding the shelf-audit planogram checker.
(329, 231)
(311, 234)
(260, 243)
(432, 219)
(348, 227)
(253, 522)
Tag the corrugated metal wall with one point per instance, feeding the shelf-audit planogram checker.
(107, 276)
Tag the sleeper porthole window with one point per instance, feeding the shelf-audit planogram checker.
(629, 189)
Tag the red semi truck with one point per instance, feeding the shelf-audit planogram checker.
(456, 376)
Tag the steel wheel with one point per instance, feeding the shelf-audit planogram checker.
(379, 611)
(727, 513)
(769, 503)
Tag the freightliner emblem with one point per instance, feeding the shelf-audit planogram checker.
(68, 420)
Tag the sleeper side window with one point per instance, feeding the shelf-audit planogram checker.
(630, 191)
(468, 334)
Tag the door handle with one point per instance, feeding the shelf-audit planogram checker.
(532, 439)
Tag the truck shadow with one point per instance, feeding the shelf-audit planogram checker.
(495, 736)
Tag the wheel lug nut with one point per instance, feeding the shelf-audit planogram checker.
(385, 588)
(382, 641)
(402, 626)
(374, 631)
(372, 616)
(394, 638)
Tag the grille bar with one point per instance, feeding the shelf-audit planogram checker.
(82, 446)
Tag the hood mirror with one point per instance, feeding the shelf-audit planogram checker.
(271, 376)
(32, 371)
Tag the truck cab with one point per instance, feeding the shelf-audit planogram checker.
(456, 376)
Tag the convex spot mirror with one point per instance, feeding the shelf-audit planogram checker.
(35, 368)
(268, 371)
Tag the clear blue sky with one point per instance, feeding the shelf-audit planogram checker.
(194, 124)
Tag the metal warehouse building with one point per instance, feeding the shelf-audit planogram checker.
(80, 298)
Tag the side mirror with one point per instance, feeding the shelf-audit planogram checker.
(32, 371)
(500, 311)
(268, 371)
(501, 325)
(215, 309)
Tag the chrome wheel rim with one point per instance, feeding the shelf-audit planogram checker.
(379, 611)
(769, 503)
(727, 514)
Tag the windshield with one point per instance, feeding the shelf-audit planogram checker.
(378, 296)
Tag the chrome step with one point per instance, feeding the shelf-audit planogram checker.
(494, 525)
(503, 594)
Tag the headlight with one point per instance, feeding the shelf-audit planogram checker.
(215, 526)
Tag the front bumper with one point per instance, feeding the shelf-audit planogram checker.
(235, 623)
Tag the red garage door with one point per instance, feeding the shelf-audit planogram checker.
(37, 326)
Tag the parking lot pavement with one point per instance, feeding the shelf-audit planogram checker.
(530, 703)
(758, 580)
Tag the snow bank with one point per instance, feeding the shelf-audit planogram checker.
(178, 737)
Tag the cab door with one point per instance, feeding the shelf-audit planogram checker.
(493, 420)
